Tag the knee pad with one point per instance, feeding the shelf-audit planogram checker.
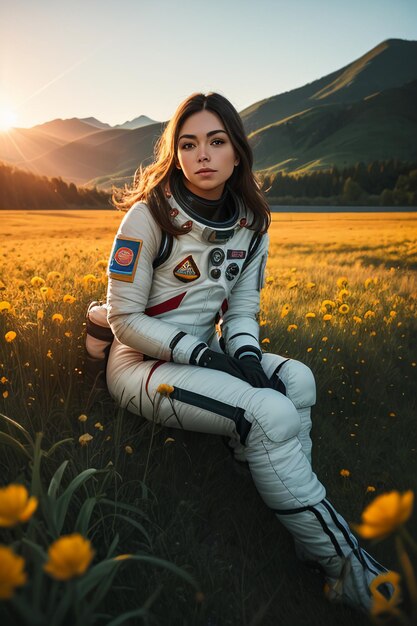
(300, 386)
(274, 417)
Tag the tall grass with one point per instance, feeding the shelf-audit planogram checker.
(203, 511)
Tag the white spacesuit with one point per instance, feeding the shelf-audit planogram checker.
(163, 317)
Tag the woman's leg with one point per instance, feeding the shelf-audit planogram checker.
(266, 423)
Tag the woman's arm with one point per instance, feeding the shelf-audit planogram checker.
(130, 279)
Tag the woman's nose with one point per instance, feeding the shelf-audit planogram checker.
(202, 156)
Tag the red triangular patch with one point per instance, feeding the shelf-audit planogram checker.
(187, 270)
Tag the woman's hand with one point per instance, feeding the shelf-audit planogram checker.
(253, 371)
(248, 368)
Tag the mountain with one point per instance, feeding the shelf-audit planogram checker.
(379, 127)
(365, 111)
(138, 122)
(390, 64)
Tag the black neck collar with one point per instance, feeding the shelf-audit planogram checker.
(210, 210)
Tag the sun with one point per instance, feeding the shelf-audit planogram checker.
(8, 119)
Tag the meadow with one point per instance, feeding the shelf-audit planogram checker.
(340, 295)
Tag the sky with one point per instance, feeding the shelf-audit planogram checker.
(118, 59)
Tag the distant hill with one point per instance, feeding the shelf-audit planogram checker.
(390, 64)
(361, 113)
(380, 127)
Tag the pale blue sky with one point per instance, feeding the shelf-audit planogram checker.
(117, 59)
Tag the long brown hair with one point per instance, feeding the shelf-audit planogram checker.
(151, 183)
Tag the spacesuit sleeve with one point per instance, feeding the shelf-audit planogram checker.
(130, 279)
(240, 328)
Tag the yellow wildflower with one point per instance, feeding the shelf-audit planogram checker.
(85, 439)
(372, 333)
(357, 319)
(58, 318)
(49, 354)
(324, 338)
(68, 557)
(385, 514)
(40, 314)
(10, 336)
(5, 394)
(342, 293)
(381, 605)
(310, 285)
(128, 449)
(101, 265)
(370, 489)
(327, 303)
(344, 308)
(165, 390)
(82, 418)
(4, 380)
(68, 299)
(393, 314)
(310, 315)
(309, 349)
(262, 323)
(47, 293)
(327, 317)
(269, 280)
(89, 279)
(345, 473)
(292, 327)
(285, 310)
(37, 281)
(292, 284)
(266, 340)
(99, 426)
(342, 282)
(368, 281)
(68, 333)
(369, 314)
(5, 306)
(16, 505)
(54, 276)
(11, 572)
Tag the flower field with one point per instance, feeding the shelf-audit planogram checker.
(170, 516)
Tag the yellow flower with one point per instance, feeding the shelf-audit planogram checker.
(89, 279)
(69, 299)
(266, 340)
(292, 284)
(10, 336)
(324, 338)
(269, 280)
(58, 318)
(327, 303)
(327, 317)
(85, 439)
(4, 380)
(368, 281)
(99, 426)
(370, 489)
(37, 281)
(262, 323)
(68, 333)
(82, 418)
(46, 293)
(310, 315)
(128, 449)
(16, 505)
(393, 314)
(285, 310)
(372, 333)
(357, 319)
(292, 327)
(344, 308)
(5, 306)
(385, 514)
(342, 293)
(5, 394)
(49, 354)
(101, 265)
(369, 314)
(169, 440)
(342, 282)
(165, 390)
(68, 557)
(309, 349)
(54, 276)
(310, 285)
(345, 473)
(381, 604)
(11, 572)
(40, 315)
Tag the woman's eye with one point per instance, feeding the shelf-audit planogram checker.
(218, 142)
(185, 146)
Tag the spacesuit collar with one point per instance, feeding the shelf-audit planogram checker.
(197, 208)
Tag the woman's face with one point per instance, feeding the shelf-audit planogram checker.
(206, 154)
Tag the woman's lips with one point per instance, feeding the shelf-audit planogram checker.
(205, 172)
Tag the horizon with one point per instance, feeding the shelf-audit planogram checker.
(37, 87)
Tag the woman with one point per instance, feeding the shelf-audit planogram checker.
(191, 251)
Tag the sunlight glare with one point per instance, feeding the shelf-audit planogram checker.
(8, 119)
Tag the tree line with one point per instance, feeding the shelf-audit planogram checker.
(25, 190)
(385, 183)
